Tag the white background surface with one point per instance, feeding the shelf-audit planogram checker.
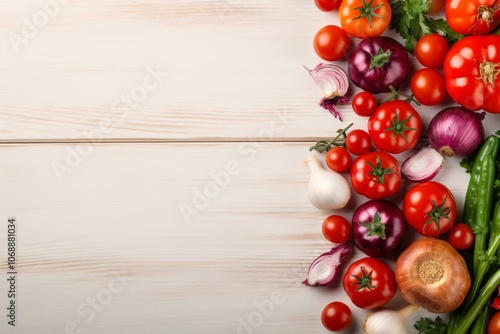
(97, 185)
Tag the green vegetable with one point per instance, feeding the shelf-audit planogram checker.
(429, 326)
(480, 325)
(410, 21)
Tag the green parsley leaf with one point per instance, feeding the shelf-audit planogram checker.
(429, 326)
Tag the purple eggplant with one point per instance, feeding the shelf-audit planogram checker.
(378, 63)
(378, 228)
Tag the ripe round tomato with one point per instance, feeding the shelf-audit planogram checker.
(428, 86)
(494, 324)
(461, 236)
(336, 229)
(395, 126)
(363, 19)
(472, 17)
(431, 50)
(327, 5)
(331, 43)
(471, 72)
(430, 208)
(338, 159)
(336, 316)
(364, 104)
(369, 283)
(435, 6)
(376, 175)
(358, 142)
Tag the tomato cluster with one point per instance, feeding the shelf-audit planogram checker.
(467, 72)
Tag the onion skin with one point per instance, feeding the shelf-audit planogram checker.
(423, 166)
(444, 295)
(378, 79)
(456, 131)
(394, 228)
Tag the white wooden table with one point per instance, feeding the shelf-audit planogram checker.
(151, 152)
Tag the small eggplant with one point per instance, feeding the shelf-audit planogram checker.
(378, 228)
(378, 63)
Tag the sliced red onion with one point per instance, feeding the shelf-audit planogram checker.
(331, 80)
(423, 166)
(333, 83)
(322, 271)
(456, 131)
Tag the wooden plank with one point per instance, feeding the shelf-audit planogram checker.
(105, 248)
(164, 70)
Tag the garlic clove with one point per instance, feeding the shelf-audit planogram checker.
(326, 190)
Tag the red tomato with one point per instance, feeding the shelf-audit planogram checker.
(363, 19)
(431, 50)
(338, 159)
(336, 316)
(428, 86)
(364, 104)
(461, 236)
(375, 175)
(336, 229)
(494, 324)
(331, 43)
(435, 6)
(472, 17)
(471, 72)
(369, 283)
(327, 5)
(395, 126)
(358, 142)
(430, 208)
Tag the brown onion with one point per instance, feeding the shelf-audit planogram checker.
(430, 273)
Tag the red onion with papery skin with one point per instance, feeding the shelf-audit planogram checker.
(323, 269)
(456, 131)
(378, 63)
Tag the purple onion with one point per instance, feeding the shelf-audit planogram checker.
(378, 228)
(423, 166)
(323, 269)
(456, 131)
(378, 63)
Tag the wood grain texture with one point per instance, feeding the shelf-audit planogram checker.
(230, 67)
(117, 215)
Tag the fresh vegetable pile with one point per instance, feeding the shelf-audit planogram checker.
(452, 268)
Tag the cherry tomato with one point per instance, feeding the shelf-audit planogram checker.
(494, 324)
(336, 229)
(336, 316)
(331, 43)
(430, 208)
(338, 159)
(327, 5)
(395, 126)
(435, 6)
(461, 236)
(376, 175)
(431, 50)
(364, 104)
(358, 142)
(428, 86)
(363, 19)
(369, 283)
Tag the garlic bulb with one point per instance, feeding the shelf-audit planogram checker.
(327, 190)
(384, 321)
